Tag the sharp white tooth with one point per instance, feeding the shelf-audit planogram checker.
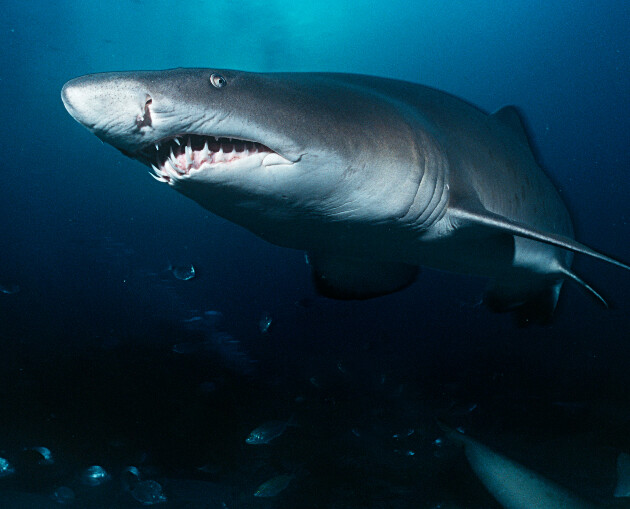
(159, 179)
(170, 171)
(216, 139)
(177, 141)
(155, 169)
(189, 153)
(157, 147)
(205, 149)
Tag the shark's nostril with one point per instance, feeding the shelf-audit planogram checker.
(144, 119)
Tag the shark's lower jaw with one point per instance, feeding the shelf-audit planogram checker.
(185, 156)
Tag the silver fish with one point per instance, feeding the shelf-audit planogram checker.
(274, 485)
(268, 431)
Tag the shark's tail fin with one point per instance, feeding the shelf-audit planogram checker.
(623, 476)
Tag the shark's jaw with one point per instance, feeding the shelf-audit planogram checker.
(196, 134)
(193, 156)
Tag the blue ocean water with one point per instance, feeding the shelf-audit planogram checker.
(108, 359)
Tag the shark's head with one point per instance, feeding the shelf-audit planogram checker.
(268, 151)
(187, 124)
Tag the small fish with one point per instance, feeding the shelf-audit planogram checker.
(214, 318)
(9, 288)
(268, 431)
(148, 493)
(63, 495)
(274, 485)
(94, 476)
(182, 272)
(44, 456)
(5, 468)
(265, 323)
(130, 476)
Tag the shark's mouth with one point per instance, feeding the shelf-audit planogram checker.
(180, 156)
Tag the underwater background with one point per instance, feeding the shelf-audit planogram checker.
(111, 357)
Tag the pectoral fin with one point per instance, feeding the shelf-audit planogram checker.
(359, 278)
(482, 217)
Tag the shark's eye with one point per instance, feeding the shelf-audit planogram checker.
(217, 80)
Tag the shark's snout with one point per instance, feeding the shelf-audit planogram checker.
(75, 100)
(90, 101)
(114, 108)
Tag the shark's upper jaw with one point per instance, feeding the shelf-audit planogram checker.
(184, 156)
(175, 136)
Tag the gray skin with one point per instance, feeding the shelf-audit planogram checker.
(373, 177)
(515, 486)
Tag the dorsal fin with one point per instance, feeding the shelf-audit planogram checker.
(509, 116)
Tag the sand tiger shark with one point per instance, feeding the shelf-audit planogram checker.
(515, 486)
(372, 177)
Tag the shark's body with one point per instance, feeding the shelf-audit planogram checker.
(373, 177)
(515, 486)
